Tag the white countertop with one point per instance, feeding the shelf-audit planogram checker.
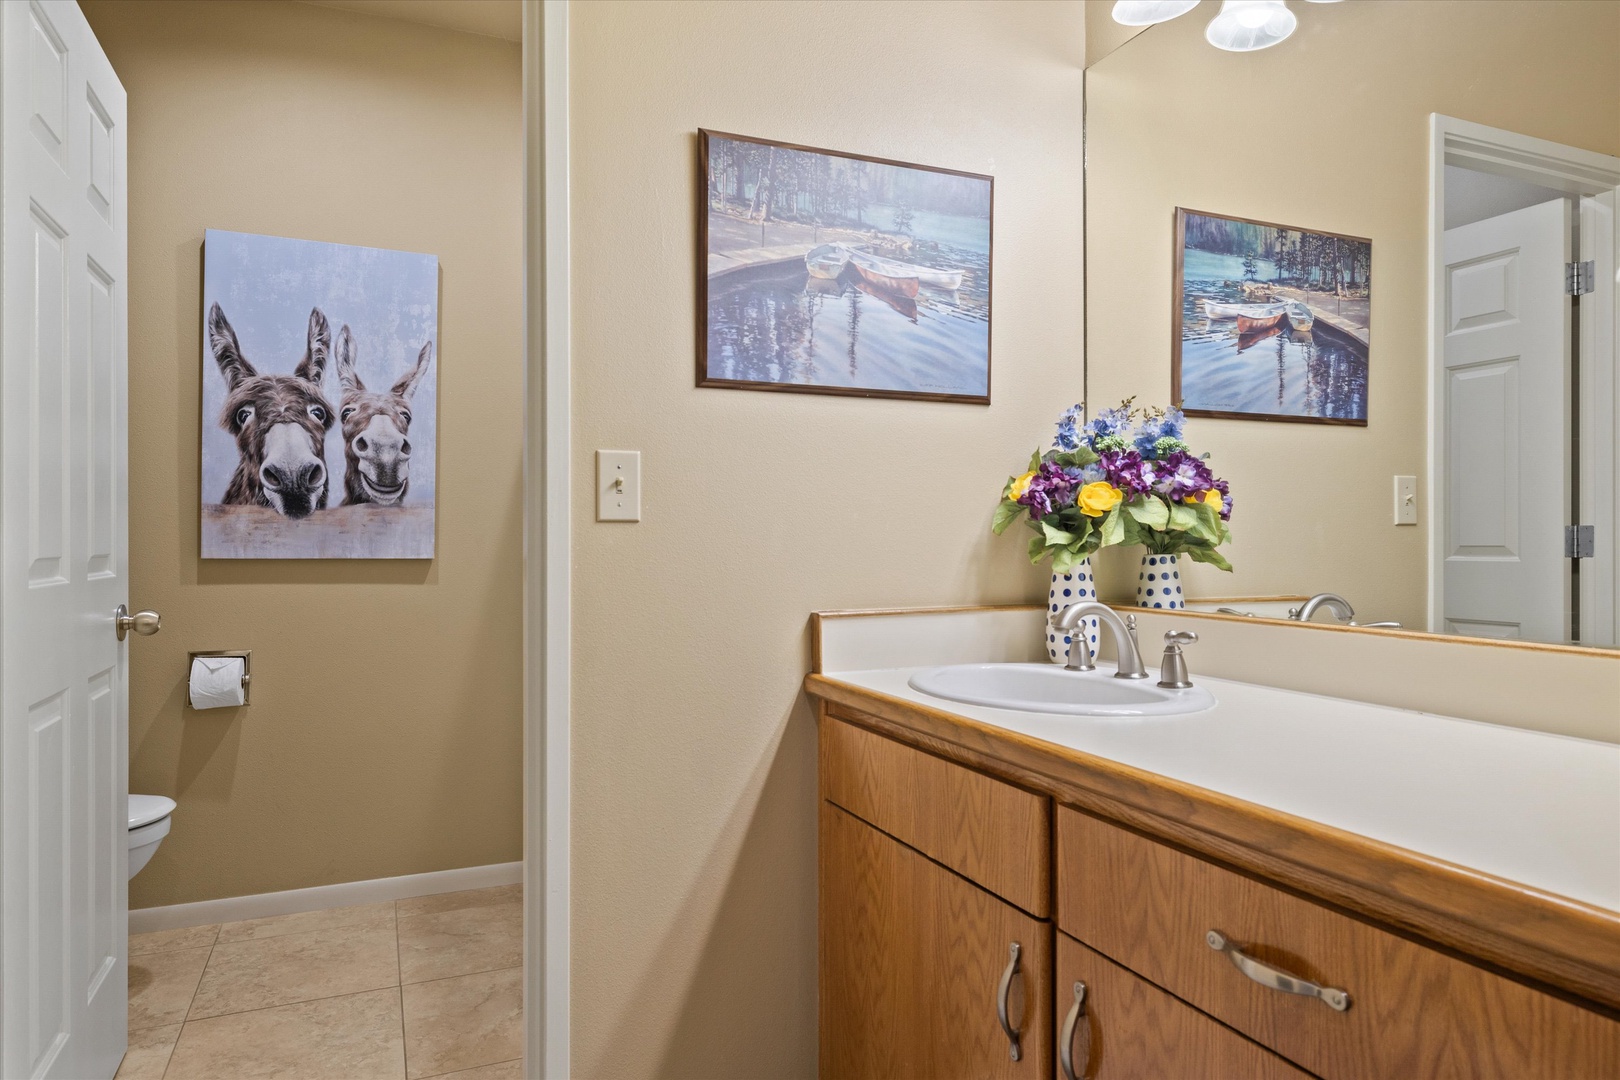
(1542, 810)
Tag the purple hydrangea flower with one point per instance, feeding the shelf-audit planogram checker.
(1127, 471)
(1180, 475)
(1051, 489)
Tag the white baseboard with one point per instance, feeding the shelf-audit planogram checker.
(263, 905)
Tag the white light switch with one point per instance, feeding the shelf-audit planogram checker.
(618, 485)
(1406, 500)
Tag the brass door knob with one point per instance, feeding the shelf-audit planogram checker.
(144, 623)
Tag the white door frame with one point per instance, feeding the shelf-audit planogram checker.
(547, 529)
(1505, 153)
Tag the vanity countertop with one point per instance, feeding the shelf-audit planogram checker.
(1501, 842)
(1539, 809)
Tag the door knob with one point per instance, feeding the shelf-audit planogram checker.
(144, 623)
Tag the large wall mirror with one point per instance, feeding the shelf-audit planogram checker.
(1376, 261)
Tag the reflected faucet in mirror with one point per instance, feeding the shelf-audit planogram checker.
(1332, 601)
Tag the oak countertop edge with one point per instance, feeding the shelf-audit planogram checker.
(1564, 943)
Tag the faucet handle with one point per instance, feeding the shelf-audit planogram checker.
(1173, 671)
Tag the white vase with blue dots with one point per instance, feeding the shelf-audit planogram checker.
(1070, 588)
(1159, 583)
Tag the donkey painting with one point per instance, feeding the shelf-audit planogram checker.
(375, 426)
(279, 422)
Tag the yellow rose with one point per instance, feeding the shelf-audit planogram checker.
(1099, 498)
(1020, 486)
(1211, 497)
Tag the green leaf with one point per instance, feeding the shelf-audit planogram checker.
(1058, 537)
(1182, 517)
(1034, 461)
(1006, 513)
(1150, 511)
(1209, 522)
(1037, 549)
(1134, 532)
(1208, 555)
(1112, 528)
(1064, 560)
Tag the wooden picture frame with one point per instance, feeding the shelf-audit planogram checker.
(944, 353)
(1336, 336)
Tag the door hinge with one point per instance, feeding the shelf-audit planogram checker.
(1580, 541)
(1580, 278)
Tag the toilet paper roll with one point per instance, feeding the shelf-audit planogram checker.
(216, 682)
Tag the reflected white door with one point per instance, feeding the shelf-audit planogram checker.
(63, 548)
(1507, 448)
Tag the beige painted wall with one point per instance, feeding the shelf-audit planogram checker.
(694, 751)
(1103, 34)
(1329, 130)
(384, 735)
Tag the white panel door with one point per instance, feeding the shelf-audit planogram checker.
(63, 548)
(1506, 479)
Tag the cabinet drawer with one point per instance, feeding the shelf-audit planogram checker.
(1413, 1011)
(1129, 1029)
(990, 832)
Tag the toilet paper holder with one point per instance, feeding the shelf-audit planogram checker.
(247, 670)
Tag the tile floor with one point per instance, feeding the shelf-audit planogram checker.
(403, 990)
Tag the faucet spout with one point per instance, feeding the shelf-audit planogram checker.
(1332, 601)
(1130, 657)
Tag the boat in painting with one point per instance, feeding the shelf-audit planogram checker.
(1253, 325)
(894, 268)
(1299, 316)
(1219, 311)
(826, 261)
(886, 274)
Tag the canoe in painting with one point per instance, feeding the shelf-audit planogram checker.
(1299, 316)
(1219, 311)
(872, 271)
(927, 275)
(1247, 325)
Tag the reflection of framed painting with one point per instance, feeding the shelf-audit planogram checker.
(1269, 322)
(830, 273)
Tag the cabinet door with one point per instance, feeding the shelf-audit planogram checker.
(1126, 1027)
(912, 961)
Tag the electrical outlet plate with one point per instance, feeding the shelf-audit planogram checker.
(618, 485)
(1406, 509)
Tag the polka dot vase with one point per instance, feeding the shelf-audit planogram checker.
(1159, 583)
(1071, 588)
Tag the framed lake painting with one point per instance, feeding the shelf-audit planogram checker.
(832, 273)
(319, 400)
(1270, 322)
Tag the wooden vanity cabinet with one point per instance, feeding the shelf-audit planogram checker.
(916, 946)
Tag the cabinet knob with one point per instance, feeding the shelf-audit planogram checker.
(1066, 1038)
(1003, 992)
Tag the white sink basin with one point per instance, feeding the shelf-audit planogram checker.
(1048, 688)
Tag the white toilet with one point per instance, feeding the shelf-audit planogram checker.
(148, 825)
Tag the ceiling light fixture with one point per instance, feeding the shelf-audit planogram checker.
(1148, 12)
(1247, 25)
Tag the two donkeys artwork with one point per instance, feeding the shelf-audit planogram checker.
(267, 488)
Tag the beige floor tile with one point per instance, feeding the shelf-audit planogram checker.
(462, 1023)
(356, 1037)
(246, 975)
(460, 941)
(304, 921)
(148, 1053)
(506, 1070)
(187, 937)
(161, 986)
(455, 901)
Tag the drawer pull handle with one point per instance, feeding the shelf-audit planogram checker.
(1066, 1039)
(1002, 993)
(1275, 978)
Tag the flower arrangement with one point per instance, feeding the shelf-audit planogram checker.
(1103, 483)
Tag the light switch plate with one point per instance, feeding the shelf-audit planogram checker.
(618, 485)
(1406, 500)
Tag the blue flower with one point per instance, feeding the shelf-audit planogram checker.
(1109, 424)
(1157, 428)
(1067, 437)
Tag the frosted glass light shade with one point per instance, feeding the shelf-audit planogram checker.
(1247, 25)
(1148, 12)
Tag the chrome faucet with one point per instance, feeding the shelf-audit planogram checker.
(1130, 657)
(1338, 604)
